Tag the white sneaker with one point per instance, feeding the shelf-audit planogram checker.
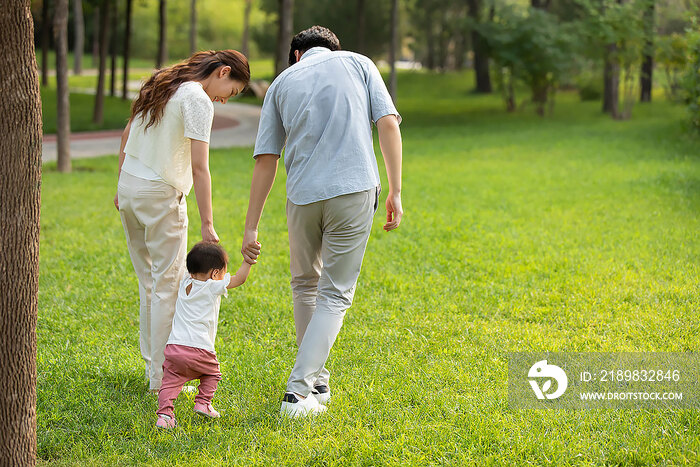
(294, 407)
(322, 393)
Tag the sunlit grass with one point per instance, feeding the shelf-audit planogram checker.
(569, 233)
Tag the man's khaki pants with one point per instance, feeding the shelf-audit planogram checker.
(327, 242)
(154, 216)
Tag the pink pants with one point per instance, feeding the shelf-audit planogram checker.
(182, 364)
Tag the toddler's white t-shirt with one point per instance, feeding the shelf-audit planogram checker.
(197, 314)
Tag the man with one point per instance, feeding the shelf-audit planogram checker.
(321, 109)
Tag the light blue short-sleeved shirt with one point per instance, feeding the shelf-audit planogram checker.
(321, 111)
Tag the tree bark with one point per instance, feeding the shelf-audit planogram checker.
(646, 76)
(246, 29)
(20, 191)
(284, 36)
(45, 32)
(443, 38)
(127, 39)
(540, 4)
(430, 40)
(96, 36)
(459, 41)
(113, 49)
(611, 76)
(79, 26)
(60, 30)
(162, 58)
(361, 28)
(193, 25)
(97, 116)
(394, 49)
(479, 48)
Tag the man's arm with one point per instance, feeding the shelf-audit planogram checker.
(390, 144)
(202, 189)
(122, 155)
(264, 174)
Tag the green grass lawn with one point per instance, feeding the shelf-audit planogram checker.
(569, 233)
(116, 112)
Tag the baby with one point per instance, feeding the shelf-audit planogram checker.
(189, 353)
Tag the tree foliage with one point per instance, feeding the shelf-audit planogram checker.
(692, 77)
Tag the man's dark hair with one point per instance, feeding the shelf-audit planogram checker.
(315, 36)
(205, 256)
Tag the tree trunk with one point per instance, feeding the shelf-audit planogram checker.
(246, 29)
(162, 58)
(361, 28)
(60, 30)
(284, 36)
(79, 25)
(97, 116)
(648, 60)
(540, 4)
(127, 38)
(193, 25)
(20, 191)
(443, 37)
(96, 37)
(540, 84)
(45, 32)
(430, 41)
(480, 50)
(611, 81)
(394, 49)
(459, 41)
(113, 50)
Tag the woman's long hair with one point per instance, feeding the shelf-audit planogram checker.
(161, 86)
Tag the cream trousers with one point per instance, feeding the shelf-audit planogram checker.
(154, 216)
(327, 242)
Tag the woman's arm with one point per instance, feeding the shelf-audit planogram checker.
(202, 189)
(240, 277)
(263, 177)
(122, 155)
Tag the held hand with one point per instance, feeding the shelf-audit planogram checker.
(116, 201)
(250, 249)
(209, 234)
(394, 211)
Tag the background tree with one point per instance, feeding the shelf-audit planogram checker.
(285, 34)
(245, 37)
(20, 191)
(482, 73)
(97, 115)
(361, 29)
(113, 47)
(394, 49)
(96, 33)
(127, 50)
(45, 33)
(162, 57)
(691, 83)
(646, 76)
(193, 26)
(60, 30)
(672, 55)
(79, 30)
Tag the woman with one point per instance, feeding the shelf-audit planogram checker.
(164, 152)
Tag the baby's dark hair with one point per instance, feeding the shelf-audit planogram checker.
(205, 256)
